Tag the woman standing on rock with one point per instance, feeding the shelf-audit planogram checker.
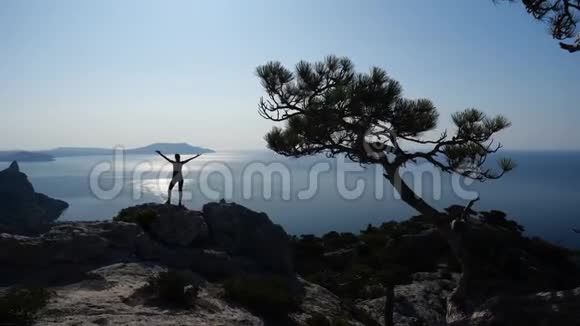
(177, 175)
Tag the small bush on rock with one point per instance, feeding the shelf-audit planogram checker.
(318, 320)
(19, 306)
(266, 295)
(174, 288)
(498, 218)
(321, 320)
(143, 218)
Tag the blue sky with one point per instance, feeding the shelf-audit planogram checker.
(101, 73)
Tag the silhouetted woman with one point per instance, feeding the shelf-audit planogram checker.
(177, 175)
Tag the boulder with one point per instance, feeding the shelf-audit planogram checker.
(544, 308)
(172, 225)
(320, 303)
(69, 243)
(208, 262)
(499, 264)
(22, 210)
(241, 231)
(173, 236)
(66, 249)
(423, 302)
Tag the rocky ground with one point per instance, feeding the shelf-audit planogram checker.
(244, 270)
(111, 296)
(96, 271)
(422, 302)
(107, 297)
(515, 280)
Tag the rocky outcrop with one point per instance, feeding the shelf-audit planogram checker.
(500, 265)
(110, 296)
(116, 295)
(171, 225)
(209, 262)
(22, 210)
(225, 238)
(544, 308)
(518, 280)
(321, 303)
(171, 235)
(240, 231)
(66, 251)
(501, 274)
(422, 302)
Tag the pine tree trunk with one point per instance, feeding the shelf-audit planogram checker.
(457, 298)
(407, 194)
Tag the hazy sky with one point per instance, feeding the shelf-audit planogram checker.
(100, 73)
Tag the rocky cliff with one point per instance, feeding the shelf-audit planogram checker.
(513, 279)
(229, 265)
(171, 235)
(99, 272)
(22, 210)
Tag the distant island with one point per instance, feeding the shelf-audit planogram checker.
(23, 156)
(50, 155)
(171, 148)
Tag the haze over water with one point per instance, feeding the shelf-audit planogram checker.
(542, 193)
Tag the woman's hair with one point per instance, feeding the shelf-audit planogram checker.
(177, 157)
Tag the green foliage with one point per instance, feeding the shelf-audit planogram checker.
(467, 155)
(560, 16)
(378, 258)
(142, 217)
(19, 306)
(329, 108)
(389, 254)
(498, 218)
(321, 320)
(334, 240)
(169, 288)
(318, 320)
(340, 322)
(270, 296)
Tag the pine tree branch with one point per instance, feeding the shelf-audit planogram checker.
(570, 47)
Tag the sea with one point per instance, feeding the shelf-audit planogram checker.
(315, 195)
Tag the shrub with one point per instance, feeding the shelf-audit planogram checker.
(308, 247)
(498, 218)
(173, 288)
(318, 320)
(340, 322)
(335, 241)
(266, 295)
(321, 320)
(374, 240)
(19, 306)
(142, 217)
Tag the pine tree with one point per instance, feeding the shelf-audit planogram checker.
(329, 108)
(561, 16)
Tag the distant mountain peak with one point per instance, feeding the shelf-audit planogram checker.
(169, 144)
(22, 210)
(23, 156)
(182, 147)
(49, 155)
(14, 167)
